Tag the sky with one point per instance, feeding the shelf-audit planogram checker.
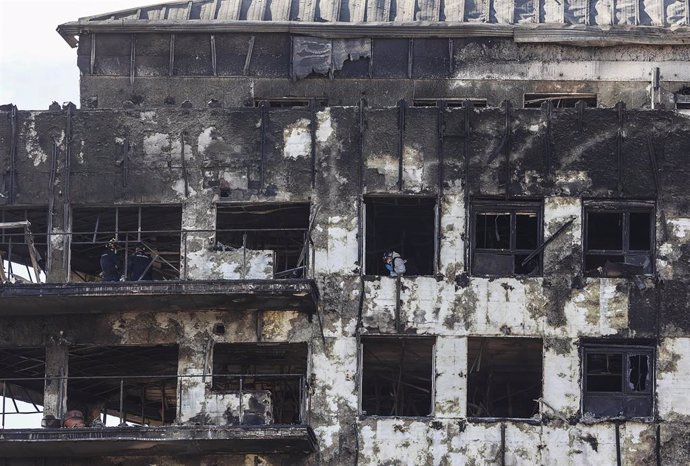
(37, 66)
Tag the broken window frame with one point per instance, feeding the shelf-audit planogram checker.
(377, 198)
(223, 381)
(534, 100)
(514, 208)
(524, 340)
(302, 268)
(368, 339)
(625, 208)
(626, 393)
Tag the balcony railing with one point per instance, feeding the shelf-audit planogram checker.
(157, 400)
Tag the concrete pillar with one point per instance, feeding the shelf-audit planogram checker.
(55, 391)
(192, 390)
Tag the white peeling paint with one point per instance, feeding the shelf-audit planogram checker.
(206, 138)
(148, 117)
(297, 140)
(680, 228)
(324, 128)
(33, 148)
(673, 379)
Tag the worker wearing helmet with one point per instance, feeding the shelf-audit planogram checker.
(110, 262)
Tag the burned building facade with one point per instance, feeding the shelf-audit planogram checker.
(529, 161)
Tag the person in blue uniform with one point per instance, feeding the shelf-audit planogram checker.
(110, 262)
(139, 265)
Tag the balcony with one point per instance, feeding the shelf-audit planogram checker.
(162, 415)
(170, 295)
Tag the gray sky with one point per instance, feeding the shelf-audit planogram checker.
(36, 64)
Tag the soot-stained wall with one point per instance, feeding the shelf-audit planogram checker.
(332, 157)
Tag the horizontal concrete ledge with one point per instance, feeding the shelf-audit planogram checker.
(151, 441)
(100, 297)
(552, 32)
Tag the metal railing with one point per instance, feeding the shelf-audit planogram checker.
(131, 399)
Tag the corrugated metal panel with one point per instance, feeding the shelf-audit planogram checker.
(626, 11)
(203, 10)
(307, 10)
(576, 11)
(405, 10)
(177, 12)
(353, 11)
(475, 10)
(651, 13)
(256, 10)
(154, 14)
(601, 12)
(329, 10)
(666, 13)
(229, 10)
(501, 11)
(378, 10)
(279, 10)
(524, 11)
(429, 10)
(676, 11)
(551, 11)
(454, 10)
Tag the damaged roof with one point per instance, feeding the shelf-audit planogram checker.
(349, 18)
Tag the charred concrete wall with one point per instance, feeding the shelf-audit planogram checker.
(158, 70)
(332, 158)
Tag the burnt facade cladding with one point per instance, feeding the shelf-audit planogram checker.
(353, 234)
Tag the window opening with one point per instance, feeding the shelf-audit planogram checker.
(617, 380)
(145, 241)
(450, 103)
(397, 376)
(270, 379)
(23, 249)
(112, 385)
(287, 102)
(618, 241)
(282, 229)
(504, 235)
(22, 372)
(504, 377)
(559, 100)
(405, 225)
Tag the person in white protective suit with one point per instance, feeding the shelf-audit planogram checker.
(394, 263)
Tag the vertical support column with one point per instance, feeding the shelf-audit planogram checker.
(402, 107)
(55, 390)
(13, 157)
(60, 218)
(192, 385)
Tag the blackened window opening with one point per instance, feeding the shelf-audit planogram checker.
(155, 229)
(618, 241)
(27, 367)
(617, 380)
(405, 225)
(14, 247)
(504, 377)
(280, 228)
(273, 374)
(397, 376)
(503, 237)
(449, 103)
(559, 100)
(142, 376)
